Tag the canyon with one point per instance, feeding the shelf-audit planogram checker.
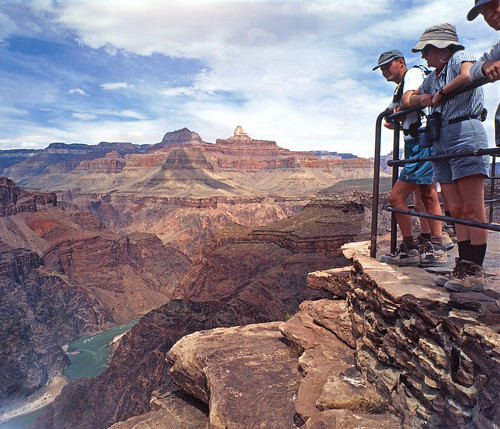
(107, 232)
(182, 189)
(63, 276)
(255, 307)
(247, 275)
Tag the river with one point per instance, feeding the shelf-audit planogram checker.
(88, 358)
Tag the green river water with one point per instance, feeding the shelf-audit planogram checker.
(88, 358)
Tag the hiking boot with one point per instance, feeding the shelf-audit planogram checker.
(402, 256)
(469, 278)
(422, 243)
(433, 256)
(447, 241)
(440, 280)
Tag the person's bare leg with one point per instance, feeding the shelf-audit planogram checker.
(454, 201)
(420, 207)
(471, 189)
(430, 200)
(397, 199)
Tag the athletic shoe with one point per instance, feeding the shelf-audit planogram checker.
(469, 278)
(440, 280)
(447, 241)
(402, 256)
(432, 256)
(422, 243)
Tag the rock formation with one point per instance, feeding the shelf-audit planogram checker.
(214, 365)
(42, 168)
(388, 349)
(183, 189)
(246, 276)
(63, 276)
(112, 163)
(262, 166)
(431, 355)
(177, 138)
(14, 200)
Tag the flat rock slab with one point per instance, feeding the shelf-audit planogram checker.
(247, 375)
(170, 411)
(343, 419)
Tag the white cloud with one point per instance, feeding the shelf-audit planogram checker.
(115, 85)
(78, 91)
(294, 71)
(84, 116)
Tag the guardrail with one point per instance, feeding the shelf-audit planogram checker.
(396, 162)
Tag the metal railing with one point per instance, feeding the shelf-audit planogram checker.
(396, 162)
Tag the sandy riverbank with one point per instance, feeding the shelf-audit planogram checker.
(41, 398)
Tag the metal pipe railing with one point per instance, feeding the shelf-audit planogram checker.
(478, 152)
(484, 225)
(389, 116)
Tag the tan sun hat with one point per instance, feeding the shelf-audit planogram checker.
(441, 36)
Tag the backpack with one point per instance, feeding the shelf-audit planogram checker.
(398, 95)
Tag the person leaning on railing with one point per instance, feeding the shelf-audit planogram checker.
(415, 177)
(460, 131)
(489, 63)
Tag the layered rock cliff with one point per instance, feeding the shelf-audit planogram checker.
(244, 166)
(247, 275)
(183, 189)
(64, 275)
(387, 349)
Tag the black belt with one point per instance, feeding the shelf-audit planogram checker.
(459, 119)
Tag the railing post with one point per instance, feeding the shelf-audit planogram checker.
(395, 171)
(376, 183)
(492, 186)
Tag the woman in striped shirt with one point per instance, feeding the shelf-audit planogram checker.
(461, 179)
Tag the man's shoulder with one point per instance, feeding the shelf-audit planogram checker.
(413, 78)
(416, 72)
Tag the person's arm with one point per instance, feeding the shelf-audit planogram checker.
(491, 69)
(416, 98)
(488, 65)
(406, 100)
(462, 78)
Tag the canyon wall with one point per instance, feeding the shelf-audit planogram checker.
(246, 275)
(64, 275)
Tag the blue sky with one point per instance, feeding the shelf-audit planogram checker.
(295, 71)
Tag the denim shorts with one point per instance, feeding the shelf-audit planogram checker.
(419, 173)
(461, 137)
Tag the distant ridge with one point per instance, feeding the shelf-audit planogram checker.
(332, 155)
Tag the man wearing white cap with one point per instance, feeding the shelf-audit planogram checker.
(489, 63)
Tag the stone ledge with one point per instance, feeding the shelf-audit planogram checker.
(424, 349)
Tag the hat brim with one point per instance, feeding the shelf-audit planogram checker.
(385, 62)
(440, 44)
(474, 12)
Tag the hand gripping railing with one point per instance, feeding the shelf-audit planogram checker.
(396, 162)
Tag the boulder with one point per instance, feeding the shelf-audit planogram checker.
(246, 375)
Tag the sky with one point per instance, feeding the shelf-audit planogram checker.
(298, 72)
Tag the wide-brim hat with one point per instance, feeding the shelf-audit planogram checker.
(474, 12)
(387, 57)
(441, 36)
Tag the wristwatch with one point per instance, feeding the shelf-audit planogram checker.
(441, 90)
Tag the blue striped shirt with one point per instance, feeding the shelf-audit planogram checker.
(469, 103)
